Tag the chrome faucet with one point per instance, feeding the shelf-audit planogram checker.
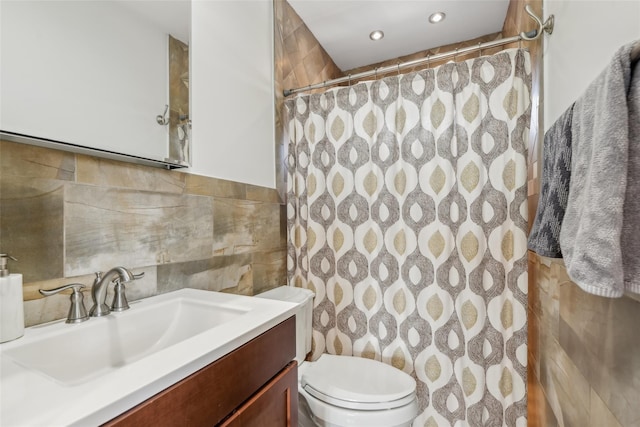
(119, 275)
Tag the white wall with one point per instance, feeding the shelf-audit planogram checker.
(232, 103)
(587, 33)
(88, 73)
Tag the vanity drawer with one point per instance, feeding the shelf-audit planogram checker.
(208, 396)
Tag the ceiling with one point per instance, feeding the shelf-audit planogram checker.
(343, 26)
(171, 16)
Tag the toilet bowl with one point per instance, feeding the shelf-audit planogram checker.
(345, 391)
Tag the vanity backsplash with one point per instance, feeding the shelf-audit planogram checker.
(65, 216)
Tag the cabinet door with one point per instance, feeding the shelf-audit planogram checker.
(208, 396)
(275, 405)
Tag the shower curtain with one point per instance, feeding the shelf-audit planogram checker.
(407, 216)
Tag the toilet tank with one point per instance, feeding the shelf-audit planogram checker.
(304, 314)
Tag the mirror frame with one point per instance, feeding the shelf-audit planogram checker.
(90, 151)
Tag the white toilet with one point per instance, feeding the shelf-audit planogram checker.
(344, 391)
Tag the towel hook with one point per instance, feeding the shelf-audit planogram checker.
(546, 27)
(163, 120)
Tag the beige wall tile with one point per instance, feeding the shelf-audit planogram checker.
(567, 390)
(600, 414)
(243, 226)
(31, 219)
(262, 194)
(533, 343)
(206, 186)
(48, 309)
(314, 62)
(214, 274)
(107, 227)
(539, 413)
(600, 336)
(534, 293)
(31, 207)
(233, 230)
(291, 20)
(110, 173)
(28, 161)
(269, 270)
(547, 293)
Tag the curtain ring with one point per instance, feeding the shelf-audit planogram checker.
(429, 61)
(480, 49)
(376, 74)
(520, 43)
(455, 56)
(349, 80)
(398, 69)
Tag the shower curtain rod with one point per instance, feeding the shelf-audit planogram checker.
(547, 27)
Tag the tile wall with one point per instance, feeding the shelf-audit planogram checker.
(65, 216)
(584, 363)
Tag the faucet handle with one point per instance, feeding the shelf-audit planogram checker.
(77, 311)
(120, 302)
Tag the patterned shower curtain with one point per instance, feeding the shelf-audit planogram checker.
(407, 216)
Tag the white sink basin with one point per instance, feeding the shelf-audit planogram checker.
(89, 373)
(78, 353)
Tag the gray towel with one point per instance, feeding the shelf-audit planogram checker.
(556, 176)
(631, 219)
(590, 237)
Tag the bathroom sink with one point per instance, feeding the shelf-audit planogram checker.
(82, 352)
(109, 364)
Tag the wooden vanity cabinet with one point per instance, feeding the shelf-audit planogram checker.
(254, 385)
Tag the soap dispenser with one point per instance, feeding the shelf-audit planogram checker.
(11, 303)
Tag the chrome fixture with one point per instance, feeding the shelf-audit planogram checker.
(543, 27)
(77, 311)
(120, 302)
(118, 275)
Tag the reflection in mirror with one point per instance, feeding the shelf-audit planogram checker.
(95, 74)
(179, 121)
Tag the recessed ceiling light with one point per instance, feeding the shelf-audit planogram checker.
(376, 35)
(437, 17)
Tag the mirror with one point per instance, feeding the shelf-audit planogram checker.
(94, 77)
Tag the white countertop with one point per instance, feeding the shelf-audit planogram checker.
(30, 398)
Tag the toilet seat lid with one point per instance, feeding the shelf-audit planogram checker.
(358, 383)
